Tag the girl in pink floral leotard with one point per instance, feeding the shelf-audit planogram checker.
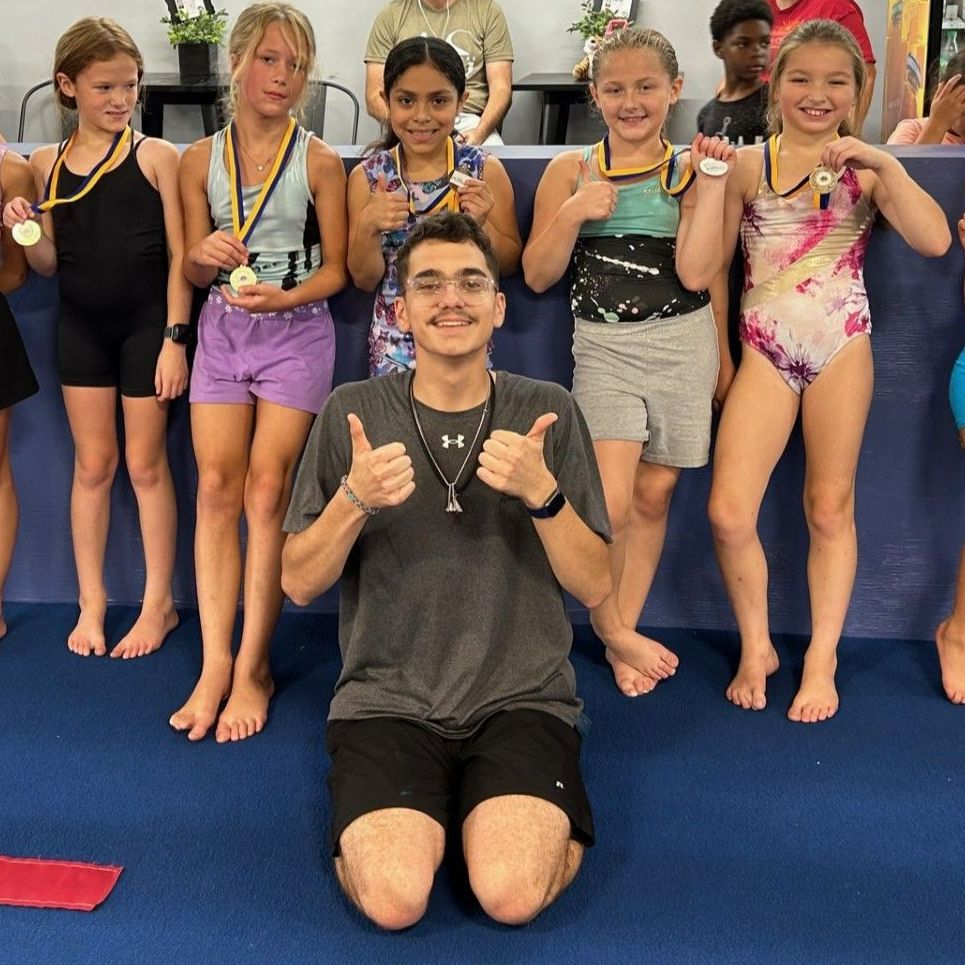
(804, 296)
(804, 325)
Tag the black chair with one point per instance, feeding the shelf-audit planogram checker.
(67, 123)
(317, 99)
(315, 112)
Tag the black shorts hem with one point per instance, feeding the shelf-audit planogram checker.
(388, 762)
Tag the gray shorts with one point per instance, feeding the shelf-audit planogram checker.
(651, 382)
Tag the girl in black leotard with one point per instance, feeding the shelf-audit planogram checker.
(16, 377)
(118, 248)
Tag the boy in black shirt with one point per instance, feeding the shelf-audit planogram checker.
(741, 31)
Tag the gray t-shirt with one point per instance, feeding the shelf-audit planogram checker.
(477, 29)
(447, 618)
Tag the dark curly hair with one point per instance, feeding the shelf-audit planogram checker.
(729, 13)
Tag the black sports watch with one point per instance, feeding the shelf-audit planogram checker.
(551, 507)
(179, 334)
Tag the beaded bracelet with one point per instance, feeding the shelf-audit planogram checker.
(368, 510)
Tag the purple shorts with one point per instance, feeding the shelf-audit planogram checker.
(283, 357)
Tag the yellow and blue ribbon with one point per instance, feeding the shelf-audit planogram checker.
(50, 199)
(771, 151)
(244, 226)
(448, 197)
(666, 167)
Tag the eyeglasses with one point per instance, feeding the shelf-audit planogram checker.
(472, 289)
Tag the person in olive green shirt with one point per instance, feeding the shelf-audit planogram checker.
(477, 29)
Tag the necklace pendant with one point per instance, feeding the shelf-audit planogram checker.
(452, 505)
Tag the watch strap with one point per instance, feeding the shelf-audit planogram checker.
(551, 507)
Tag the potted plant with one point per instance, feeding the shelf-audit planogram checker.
(196, 29)
(598, 20)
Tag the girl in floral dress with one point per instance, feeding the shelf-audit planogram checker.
(410, 175)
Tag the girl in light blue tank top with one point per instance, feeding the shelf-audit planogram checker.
(265, 227)
(645, 343)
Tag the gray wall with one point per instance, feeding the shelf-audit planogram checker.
(538, 29)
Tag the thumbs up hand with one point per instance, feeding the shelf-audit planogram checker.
(513, 464)
(381, 476)
(594, 200)
(387, 210)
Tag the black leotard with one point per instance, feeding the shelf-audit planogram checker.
(113, 266)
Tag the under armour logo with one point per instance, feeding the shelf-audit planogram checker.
(559, 784)
(458, 442)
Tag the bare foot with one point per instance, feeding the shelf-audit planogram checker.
(147, 634)
(246, 712)
(749, 686)
(951, 656)
(630, 682)
(199, 712)
(818, 698)
(88, 636)
(3, 627)
(647, 657)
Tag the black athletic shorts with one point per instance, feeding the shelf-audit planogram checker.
(387, 762)
(109, 353)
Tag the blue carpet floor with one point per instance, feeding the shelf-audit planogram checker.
(723, 836)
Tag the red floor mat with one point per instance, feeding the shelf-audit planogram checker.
(38, 883)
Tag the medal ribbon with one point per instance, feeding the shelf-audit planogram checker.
(771, 150)
(449, 197)
(666, 168)
(50, 199)
(244, 226)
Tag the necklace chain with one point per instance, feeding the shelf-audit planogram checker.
(445, 27)
(244, 150)
(452, 502)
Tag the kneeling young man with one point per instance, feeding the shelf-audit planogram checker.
(454, 504)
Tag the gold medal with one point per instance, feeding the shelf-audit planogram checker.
(823, 180)
(242, 277)
(713, 167)
(27, 233)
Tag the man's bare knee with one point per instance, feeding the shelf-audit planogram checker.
(387, 864)
(506, 895)
(391, 900)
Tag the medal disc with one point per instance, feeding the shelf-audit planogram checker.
(823, 180)
(713, 166)
(27, 233)
(241, 277)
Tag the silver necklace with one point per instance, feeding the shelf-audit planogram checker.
(452, 486)
(445, 27)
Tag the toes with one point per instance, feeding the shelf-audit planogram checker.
(758, 700)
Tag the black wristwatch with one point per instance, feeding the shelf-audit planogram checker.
(179, 334)
(551, 507)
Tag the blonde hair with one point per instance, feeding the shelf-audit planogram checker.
(635, 38)
(815, 32)
(247, 34)
(88, 41)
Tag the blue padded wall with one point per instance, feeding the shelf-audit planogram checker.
(911, 481)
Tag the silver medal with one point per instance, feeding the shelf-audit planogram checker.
(713, 167)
